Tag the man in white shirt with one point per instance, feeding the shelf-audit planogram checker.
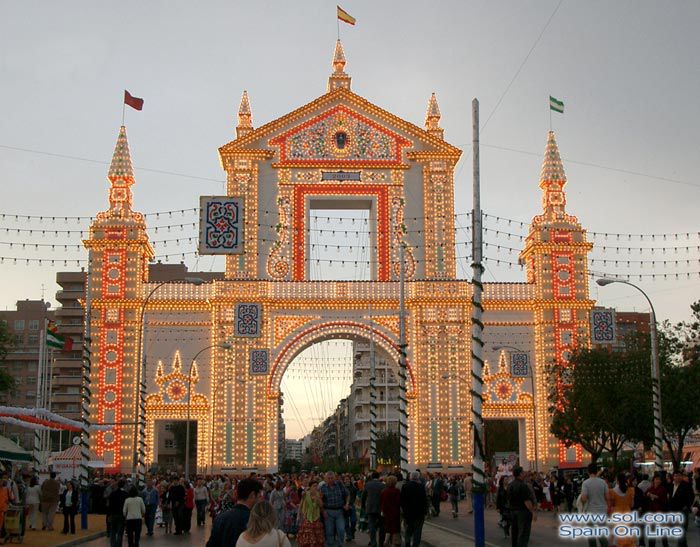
(595, 497)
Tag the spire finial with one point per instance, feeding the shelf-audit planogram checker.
(338, 78)
(245, 117)
(552, 167)
(432, 117)
(121, 175)
(553, 180)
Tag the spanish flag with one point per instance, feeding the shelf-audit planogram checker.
(345, 17)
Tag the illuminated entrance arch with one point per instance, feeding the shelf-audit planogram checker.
(339, 150)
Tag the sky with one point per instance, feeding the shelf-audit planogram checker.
(626, 71)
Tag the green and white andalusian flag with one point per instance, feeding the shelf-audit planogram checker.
(556, 105)
(55, 340)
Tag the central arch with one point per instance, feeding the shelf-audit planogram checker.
(319, 331)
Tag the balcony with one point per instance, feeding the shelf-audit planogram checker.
(69, 294)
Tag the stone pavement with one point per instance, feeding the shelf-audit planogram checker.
(433, 536)
(45, 538)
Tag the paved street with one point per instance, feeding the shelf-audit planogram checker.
(544, 531)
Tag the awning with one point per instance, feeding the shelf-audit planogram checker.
(13, 452)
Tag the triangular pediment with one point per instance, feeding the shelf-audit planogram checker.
(340, 127)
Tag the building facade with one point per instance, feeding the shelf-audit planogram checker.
(339, 151)
(25, 325)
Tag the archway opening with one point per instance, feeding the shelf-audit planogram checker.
(327, 411)
(502, 442)
(170, 443)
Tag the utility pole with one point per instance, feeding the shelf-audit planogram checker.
(85, 399)
(477, 343)
(372, 397)
(403, 412)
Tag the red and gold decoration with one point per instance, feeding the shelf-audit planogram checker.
(339, 151)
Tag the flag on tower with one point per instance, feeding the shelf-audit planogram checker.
(55, 340)
(345, 17)
(556, 105)
(134, 102)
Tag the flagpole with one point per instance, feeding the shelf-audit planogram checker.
(39, 389)
(123, 111)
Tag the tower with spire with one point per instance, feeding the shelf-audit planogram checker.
(432, 118)
(245, 117)
(338, 77)
(556, 259)
(119, 252)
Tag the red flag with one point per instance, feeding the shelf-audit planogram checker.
(133, 102)
(68, 345)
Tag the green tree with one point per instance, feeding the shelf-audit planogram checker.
(389, 449)
(7, 382)
(602, 399)
(680, 382)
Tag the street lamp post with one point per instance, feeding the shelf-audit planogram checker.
(140, 400)
(655, 374)
(534, 399)
(223, 345)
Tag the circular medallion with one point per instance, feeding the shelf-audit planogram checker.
(177, 391)
(504, 390)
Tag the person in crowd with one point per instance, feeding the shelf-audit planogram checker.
(5, 499)
(50, 490)
(291, 514)
(69, 503)
(227, 499)
(166, 508)
(453, 496)
(116, 513)
(371, 498)
(414, 506)
(502, 504)
(134, 510)
(278, 503)
(229, 525)
(262, 528)
(201, 499)
(187, 507)
(438, 486)
(351, 514)
(523, 507)
(33, 502)
(150, 499)
(468, 485)
(177, 502)
(657, 502)
(621, 501)
(390, 505)
(311, 531)
(109, 488)
(595, 497)
(335, 503)
(680, 501)
(568, 491)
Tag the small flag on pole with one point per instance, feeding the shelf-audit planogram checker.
(556, 105)
(345, 17)
(55, 340)
(134, 102)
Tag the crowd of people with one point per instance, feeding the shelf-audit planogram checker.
(326, 510)
(520, 496)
